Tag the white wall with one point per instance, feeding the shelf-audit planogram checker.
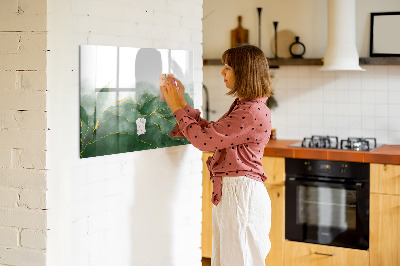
(306, 19)
(220, 17)
(311, 102)
(140, 208)
(23, 133)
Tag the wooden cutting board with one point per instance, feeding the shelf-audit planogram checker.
(239, 35)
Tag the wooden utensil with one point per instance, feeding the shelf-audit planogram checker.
(239, 35)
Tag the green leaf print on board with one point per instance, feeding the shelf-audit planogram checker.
(120, 113)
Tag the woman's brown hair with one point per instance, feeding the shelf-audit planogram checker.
(250, 66)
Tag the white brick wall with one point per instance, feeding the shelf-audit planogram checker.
(33, 239)
(23, 132)
(23, 178)
(9, 237)
(9, 197)
(11, 256)
(100, 206)
(140, 208)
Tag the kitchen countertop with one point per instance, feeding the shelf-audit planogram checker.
(389, 154)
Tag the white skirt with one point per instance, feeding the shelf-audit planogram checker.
(241, 223)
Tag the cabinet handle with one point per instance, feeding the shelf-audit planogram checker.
(324, 254)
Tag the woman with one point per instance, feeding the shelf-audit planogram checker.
(242, 211)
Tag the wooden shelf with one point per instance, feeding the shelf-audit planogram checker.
(274, 63)
(380, 61)
(212, 62)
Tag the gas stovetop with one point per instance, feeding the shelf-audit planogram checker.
(332, 142)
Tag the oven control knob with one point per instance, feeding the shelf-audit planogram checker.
(308, 166)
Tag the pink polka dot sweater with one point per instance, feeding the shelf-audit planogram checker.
(238, 139)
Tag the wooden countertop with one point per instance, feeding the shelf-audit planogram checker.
(389, 154)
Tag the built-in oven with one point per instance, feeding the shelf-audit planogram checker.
(327, 202)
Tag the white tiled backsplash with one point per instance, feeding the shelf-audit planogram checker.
(314, 102)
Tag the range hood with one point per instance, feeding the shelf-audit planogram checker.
(341, 51)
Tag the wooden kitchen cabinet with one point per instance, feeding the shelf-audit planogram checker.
(385, 178)
(274, 168)
(384, 236)
(206, 225)
(385, 215)
(305, 254)
(277, 233)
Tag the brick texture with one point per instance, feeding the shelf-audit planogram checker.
(23, 218)
(33, 199)
(23, 125)
(9, 237)
(8, 197)
(33, 239)
(17, 256)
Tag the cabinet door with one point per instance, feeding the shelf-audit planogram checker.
(206, 226)
(384, 230)
(385, 178)
(304, 254)
(277, 233)
(274, 168)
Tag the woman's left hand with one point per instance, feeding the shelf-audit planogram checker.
(171, 95)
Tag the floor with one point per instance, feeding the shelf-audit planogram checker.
(206, 261)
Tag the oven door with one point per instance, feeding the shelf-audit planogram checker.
(327, 213)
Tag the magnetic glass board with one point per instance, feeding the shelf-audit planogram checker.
(120, 106)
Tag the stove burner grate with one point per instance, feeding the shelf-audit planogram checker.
(327, 142)
(358, 144)
(332, 142)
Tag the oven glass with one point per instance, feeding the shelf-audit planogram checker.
(326, 207)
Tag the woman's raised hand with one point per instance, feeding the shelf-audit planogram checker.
(174, 94)
(181, 92)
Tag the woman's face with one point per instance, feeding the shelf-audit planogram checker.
(229, 76)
